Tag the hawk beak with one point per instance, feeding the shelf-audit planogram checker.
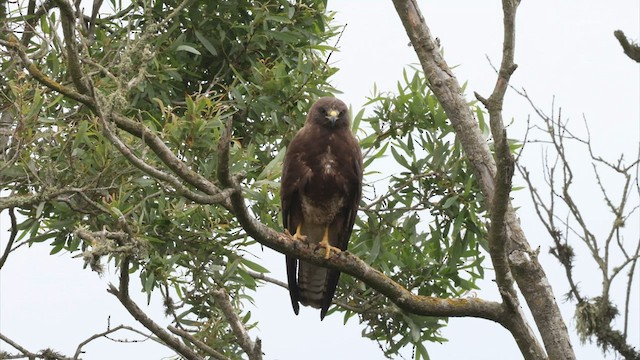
(332, 116)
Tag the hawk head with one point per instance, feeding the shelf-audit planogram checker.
(329, 112)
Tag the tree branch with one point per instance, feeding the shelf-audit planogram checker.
(22, 201)
(165, 154)
(122, 293)
(24, 351)
(215, 195)
(202, 346)
(497, 232)
(348, 263)
(14, 44)
(74, 68)
(253, 349)
(446, 88)
(78, 352)
(630, 49)
(594, 316)
(12, 237)
(527, 272)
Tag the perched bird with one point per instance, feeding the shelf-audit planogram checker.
(320, 193)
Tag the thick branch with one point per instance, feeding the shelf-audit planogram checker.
(345, 262)
(352, 265)
(446, 88)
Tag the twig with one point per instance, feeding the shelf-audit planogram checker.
(261, 276)
(12, 237)
(344, 28)
(107, 332)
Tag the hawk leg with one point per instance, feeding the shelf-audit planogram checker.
(325, 243)
(298, 235)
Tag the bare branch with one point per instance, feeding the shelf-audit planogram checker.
(104, 334)
(261, 276)
(594, 316)
(497, 232)
(25, 352)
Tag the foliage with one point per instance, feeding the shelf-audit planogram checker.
(184, 75)
(425, 231)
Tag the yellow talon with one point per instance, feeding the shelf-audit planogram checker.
(298, 235)
(325, 244)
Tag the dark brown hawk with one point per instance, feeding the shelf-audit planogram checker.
(320, 193)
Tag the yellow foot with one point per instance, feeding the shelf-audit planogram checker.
(298, 235)
(325, 244)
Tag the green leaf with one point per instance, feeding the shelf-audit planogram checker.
(56, 249)
(206, 43)
(188, 48)
(450, 201)
(254, 266)
(356, 121)
(399, 158)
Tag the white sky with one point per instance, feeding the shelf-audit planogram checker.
(564, 49)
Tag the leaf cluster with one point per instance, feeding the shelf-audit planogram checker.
(426, 229)
(183, 70)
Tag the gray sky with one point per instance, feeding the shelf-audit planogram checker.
(563, 49)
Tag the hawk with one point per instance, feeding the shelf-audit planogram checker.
(320, 193)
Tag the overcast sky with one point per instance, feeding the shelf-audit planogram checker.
(563, 49)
